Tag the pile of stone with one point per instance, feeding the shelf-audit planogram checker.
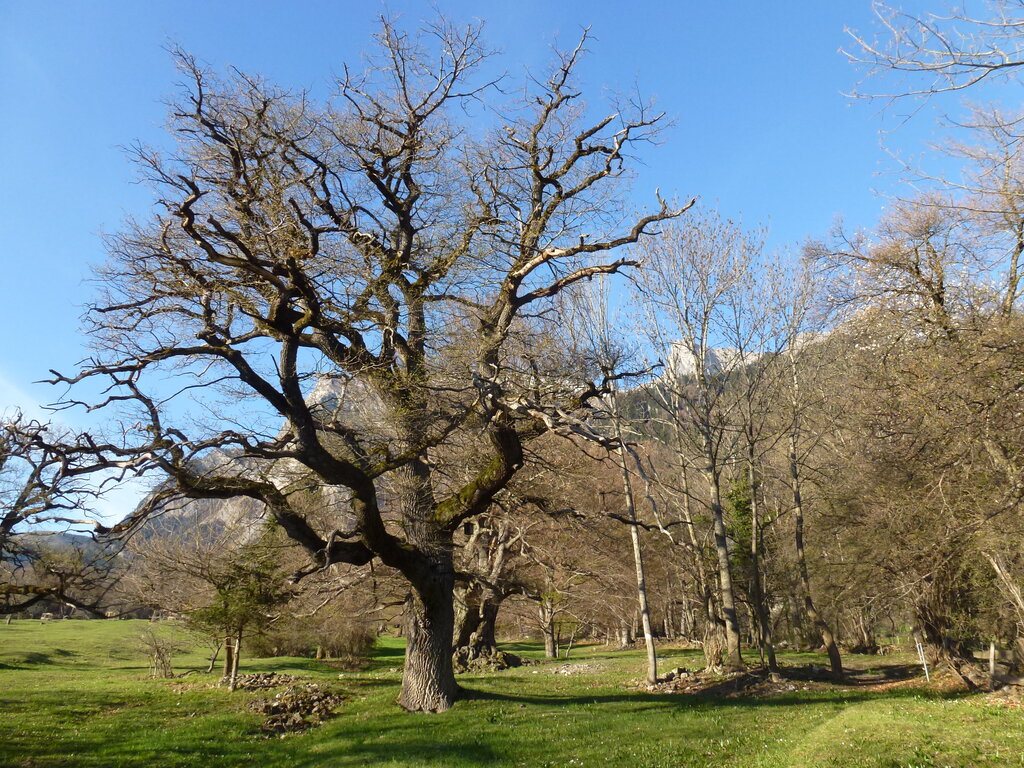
(260, 681)
(675, 674)
(680, 680)
(576, 669)
(297, 708)
(463, 660)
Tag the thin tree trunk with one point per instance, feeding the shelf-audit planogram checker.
(1013, 272)
(229, 656)
(827, 638)
(235, 656)
(714, 626)
(625, 633)
(764, 634)
(213, 658)
(547, 628)
(1011, 589)
(638, 558)
(641, 588)
(733, 658)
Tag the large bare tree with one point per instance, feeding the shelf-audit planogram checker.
(326, 295)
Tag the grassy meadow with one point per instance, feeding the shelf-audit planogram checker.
(77, 693)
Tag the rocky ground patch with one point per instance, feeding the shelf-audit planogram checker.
(296, 708)
(261, 681)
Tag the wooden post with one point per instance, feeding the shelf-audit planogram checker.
(992, 659)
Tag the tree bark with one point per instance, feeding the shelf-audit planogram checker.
(940, 648)
(475, 634)
(467, 615)
(428, 682)
(547, 628)
(486, 634)
(235, 656)
(229, 655)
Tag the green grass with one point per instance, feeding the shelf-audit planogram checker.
(76, 693)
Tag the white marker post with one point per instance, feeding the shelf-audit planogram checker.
(924, 661)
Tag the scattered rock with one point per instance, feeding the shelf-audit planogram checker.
(1010, 693)
(735, 684)
(675, 674)
(296, 708)
(463, 660)
(575, 669)
(347, 663)
(260, 681)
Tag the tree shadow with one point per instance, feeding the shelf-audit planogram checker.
(721, 695)
(414, 752)
(882, 674)
(38, 658)
(384, 657)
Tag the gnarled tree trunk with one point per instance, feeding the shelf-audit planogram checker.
(475, 631)
(428, 682)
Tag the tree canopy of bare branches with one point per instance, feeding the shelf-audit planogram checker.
(951, 49)
(45, 493)
(327, 295)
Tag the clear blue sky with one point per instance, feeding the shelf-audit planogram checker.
(754, 88)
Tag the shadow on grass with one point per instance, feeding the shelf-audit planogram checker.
(38, 658)
(584, 651)
(711, 698)
(407, 752)
(284, 665)
(384, 657)
(887, 673)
